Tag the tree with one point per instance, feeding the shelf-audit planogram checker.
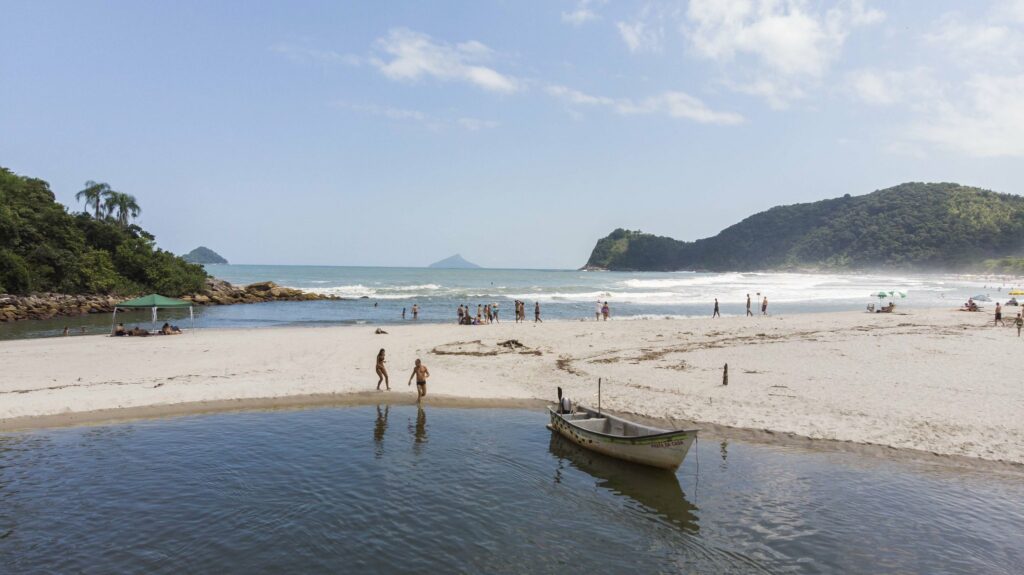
(94, 195)
(122, 207)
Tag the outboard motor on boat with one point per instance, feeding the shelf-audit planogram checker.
(564, 405)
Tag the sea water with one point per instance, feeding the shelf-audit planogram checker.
(379, 295)
(397, 489)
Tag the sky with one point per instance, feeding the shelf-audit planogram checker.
(516, 133)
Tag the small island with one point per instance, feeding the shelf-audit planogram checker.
(204, 255)
(456, 262)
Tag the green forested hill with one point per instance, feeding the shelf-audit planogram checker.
(45, 248)
(910, 226)
(204, 255)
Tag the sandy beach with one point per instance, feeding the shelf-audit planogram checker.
(938, 381)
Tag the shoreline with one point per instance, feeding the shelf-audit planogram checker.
(708, 431)
(920, 380)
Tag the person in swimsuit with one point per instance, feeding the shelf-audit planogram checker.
(421, 373)
(605, 311)
(536, 313)
(748, 306)
(715, 313)
(999, 316)
(382, 372)
(764, 306)
(415, 312)
(494, 310)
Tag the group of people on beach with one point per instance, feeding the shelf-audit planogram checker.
(419, 371)
(1018, 322)
(166, 329)
(484, 314)
(764, 307)
(521, 312)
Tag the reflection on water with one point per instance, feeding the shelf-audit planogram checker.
(492, 491)
(656, 489)
(379, 429)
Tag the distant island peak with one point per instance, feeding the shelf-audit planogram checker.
(454, 262)
(204, 255)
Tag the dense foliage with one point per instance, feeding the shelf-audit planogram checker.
(204, 255)
(911, 226)
(45, 248)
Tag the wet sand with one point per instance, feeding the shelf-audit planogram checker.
(934, 381)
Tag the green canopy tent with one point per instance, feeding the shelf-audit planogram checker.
(154, 302)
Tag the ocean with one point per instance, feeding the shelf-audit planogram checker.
(377, 295)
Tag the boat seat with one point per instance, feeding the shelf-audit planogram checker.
(592, 423)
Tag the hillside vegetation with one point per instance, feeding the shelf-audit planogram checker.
(43, 247)
(911, 226)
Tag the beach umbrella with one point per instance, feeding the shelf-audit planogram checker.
(880, 295)
(1017, 292)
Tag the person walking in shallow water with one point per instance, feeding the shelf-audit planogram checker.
(421, 373)
(749, 313)
(715, 313)
(382, 372)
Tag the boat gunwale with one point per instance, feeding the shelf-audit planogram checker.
(661, 435)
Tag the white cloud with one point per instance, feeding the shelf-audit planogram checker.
(413, 55)
(415, 116)
(576, 97)
(475, 125)
(986, 121)
(778, 47)
(890, 87)
(977, 44)
(677, 105)
(302, 53)
(641, 36)
(582, 14)
(646, 31)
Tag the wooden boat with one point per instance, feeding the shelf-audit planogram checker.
(622, 439)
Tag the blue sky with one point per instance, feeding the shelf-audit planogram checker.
(516, 133)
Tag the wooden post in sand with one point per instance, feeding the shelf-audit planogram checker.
(725, 375)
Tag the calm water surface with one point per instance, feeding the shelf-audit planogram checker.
(397, 489)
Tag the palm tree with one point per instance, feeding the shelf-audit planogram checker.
(122, 206)
(93, 195)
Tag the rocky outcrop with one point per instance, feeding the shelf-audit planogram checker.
(217, 292)
(220, 292)
(50, 305)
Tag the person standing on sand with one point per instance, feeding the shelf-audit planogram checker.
(999, 316)
(764, 306)
(1019, 322)
(606, 311)
(748, 306)
(421, 373)
(382, 372)
(536, 313)
(597, 311)
(715, 313)
(494, 308)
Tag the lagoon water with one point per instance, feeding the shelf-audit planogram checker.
(398, 489)
(563, 294)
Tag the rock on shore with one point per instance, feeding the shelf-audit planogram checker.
(217, 292)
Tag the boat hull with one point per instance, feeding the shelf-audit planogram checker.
(665, 450)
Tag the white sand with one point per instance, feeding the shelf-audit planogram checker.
(933, 380)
